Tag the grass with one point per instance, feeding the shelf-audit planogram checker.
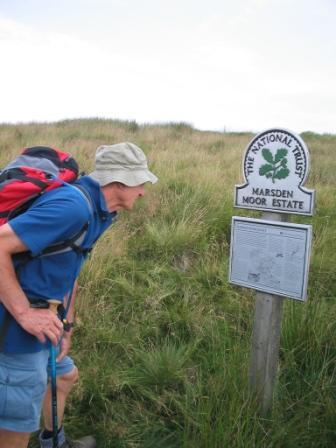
(162, 339)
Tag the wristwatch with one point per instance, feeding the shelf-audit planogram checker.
(67, 326)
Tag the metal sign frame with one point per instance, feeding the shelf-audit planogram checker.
(278, 231)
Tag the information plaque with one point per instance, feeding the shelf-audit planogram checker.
(270, 256)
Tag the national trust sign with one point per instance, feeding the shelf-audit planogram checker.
(275, 167)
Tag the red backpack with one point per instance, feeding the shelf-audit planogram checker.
(35, 171)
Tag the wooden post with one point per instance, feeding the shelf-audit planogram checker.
(266, 340)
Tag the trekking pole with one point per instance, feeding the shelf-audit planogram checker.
(53, 304)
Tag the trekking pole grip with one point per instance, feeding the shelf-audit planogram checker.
(53, 304)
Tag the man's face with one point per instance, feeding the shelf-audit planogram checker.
(121, 197)
(128, 195)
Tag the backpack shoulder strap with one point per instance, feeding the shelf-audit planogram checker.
(86, 195)
(74, 243)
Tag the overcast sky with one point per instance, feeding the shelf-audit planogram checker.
(232, 65)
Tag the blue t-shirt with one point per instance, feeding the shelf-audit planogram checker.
(54, 217)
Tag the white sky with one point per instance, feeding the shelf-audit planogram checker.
(218, 64)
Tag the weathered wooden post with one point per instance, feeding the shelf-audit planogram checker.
(266, 339)
(270, 254)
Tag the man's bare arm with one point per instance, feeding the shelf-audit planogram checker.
(40, 323)
(66, 339)
(73, 299)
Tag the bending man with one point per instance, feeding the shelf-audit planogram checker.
(117, 182)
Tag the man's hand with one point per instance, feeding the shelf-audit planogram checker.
(42, 323)
(64, 346)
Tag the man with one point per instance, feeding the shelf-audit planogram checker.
(117, 182)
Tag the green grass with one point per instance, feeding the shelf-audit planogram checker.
(162, 339)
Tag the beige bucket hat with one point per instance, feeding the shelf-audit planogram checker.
(123, 162)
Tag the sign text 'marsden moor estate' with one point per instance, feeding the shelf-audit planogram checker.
(275, 167)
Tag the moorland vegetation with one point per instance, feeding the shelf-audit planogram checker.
(162, 340)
